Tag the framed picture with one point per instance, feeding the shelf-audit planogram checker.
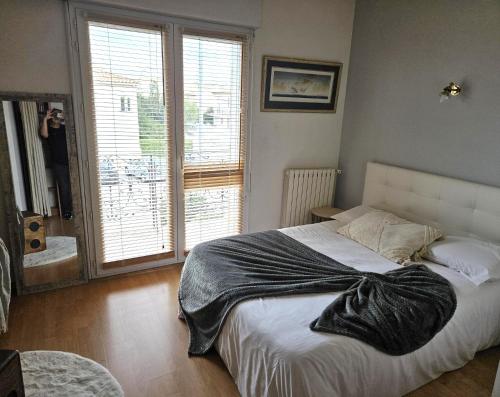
(299, 85)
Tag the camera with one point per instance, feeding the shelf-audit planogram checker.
(58, 114)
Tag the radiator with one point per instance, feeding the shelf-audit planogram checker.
(305, 189)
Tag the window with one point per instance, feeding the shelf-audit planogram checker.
(214, 135)
(125, 104)
(132, 148)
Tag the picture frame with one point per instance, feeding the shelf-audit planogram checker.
(299, 85)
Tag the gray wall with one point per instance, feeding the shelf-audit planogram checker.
(403, 53)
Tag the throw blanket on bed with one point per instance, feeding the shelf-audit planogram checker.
(396, 312)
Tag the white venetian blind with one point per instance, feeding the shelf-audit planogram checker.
(215, 130)
(133, 143)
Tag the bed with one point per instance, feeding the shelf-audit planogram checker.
(269, 349)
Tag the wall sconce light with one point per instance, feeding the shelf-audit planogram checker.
(451, 89)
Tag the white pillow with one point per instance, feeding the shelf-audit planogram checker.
(349, 215)
(477, 260)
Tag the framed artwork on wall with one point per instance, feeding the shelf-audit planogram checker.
(299, 85)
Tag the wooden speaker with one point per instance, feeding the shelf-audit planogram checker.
(34, 233)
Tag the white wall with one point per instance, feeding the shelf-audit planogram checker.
(316, 29)
(125, 125)
(236, 12)
(35, 59)
(15, 156)
(33, 46)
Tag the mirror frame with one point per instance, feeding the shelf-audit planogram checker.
(10, 201)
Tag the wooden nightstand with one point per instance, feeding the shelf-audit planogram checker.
(322, 214)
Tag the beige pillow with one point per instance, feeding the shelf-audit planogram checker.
(392, 237)
(351, 214)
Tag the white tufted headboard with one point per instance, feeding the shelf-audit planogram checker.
(455, 204)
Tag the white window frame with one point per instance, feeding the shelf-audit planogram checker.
(76, 16)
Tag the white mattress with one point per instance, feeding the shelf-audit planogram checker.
(270, 351)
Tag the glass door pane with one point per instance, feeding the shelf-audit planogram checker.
(133, 150)
(214, 136)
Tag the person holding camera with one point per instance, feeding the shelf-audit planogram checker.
(53, 129)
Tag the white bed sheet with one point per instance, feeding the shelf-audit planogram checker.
(270, 351)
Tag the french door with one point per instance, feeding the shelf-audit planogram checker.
(214, 135)
(166, 119)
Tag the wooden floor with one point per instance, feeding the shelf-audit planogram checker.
(52, 273)
(129, 324)
(60, 271)
(57, 226)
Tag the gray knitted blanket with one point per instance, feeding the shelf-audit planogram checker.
(396, 312)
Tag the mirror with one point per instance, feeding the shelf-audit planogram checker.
(45, 213)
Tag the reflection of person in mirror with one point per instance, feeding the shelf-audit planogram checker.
(54, 129)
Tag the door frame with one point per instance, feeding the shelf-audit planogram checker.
(76, 14)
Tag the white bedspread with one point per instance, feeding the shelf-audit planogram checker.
(270, 351)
